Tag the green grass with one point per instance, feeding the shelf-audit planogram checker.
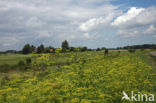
(12, 59)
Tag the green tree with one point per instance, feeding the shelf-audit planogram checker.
(40, 49)
(106, 51)
(131, 50)
(65, 46)
(32, 48)
(84, 49)
(72, 49)
(98, 49)
(50, 49)
(26, 49)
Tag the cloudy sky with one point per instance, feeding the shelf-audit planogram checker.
(92, 23)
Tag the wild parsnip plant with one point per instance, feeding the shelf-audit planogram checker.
(82, 78)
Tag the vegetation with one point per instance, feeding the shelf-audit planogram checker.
(12, 59)
(26, 49)
(65, 46)
(80, 77)
(131, 50)
(144, 46)
(106, 51)
(75, 74)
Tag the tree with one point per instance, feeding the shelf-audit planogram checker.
(72, 49)
(28, 60)
(40, 49)
(32, 48)
(98, 49)
(26, 49)
(84, 49)
(106, 51)
(65, 45)
(131, 50)
(50, 49)
(103, 48)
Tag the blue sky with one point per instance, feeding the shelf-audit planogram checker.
(91, 23)
(136, 3)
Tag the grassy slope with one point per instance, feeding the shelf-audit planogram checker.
(93, 79)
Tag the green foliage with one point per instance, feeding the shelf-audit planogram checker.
(42, 61)
(21, 63)
(98, 49)
(72, 49)
(28, 60)
(49, 49)
(32, 48)
(106, 51)
(85, 77)
(65, 46)
(40, 49)
(26, 49)
(142, 49)
(131, 50)
(84, 49)
(13, 59)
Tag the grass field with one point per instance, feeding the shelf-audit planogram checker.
(13, 58)
(83, 77)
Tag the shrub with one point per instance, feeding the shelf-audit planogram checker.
(106, 51)
(28, 60)
(4, 68)
(142, 49)
(131, 50)
(72, 49)
(98, 49)
(21, 63)
(84, 49)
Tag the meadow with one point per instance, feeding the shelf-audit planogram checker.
(78, 77)
(12, 58)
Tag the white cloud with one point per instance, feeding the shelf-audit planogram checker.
(86, 35)
(150, 30)
(147, 17)
(132, 13)
(128, 32)
(136, 17)
(43, 34)
(51, 21)
(95, 22)
(89, 24)
(135, 21)
(34, 22)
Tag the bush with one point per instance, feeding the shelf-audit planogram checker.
(142, 49)
(21, 63)
(84, 49)
(106, 51)
(72, 49)
(4, 68)
(28, 60)
(98, 49)
(131, 50)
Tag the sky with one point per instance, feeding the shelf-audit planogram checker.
(91, 23)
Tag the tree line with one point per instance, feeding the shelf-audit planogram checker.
(144, 46)
(40, 49)
(50, 49)
(66, 48)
